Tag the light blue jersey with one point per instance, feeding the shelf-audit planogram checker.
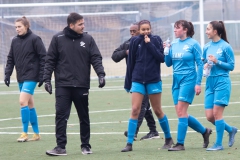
(183, 56)
(223, 53)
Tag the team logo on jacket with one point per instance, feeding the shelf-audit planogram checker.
(185, 48)
(139, 45)
(82, 44)
(219, 51)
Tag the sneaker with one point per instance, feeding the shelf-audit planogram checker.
(86, 150)
(231, 136)
(35, 137)
(168, 143)
(206, 137)
(126, 134)
(23, 137)
(57, 151)
(215, 147)
(127, 148)
(177, 147)
(150, 135)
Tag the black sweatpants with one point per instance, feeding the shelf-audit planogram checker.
(147, 114)
(64, 98)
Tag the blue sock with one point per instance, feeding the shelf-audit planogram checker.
(227, 127)
(220, 125)
(182, 129)
(34, 120)
(196, 125)
(25, 118)
(165, 126)
(132, 126)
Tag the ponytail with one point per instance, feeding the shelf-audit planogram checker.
(220, 28)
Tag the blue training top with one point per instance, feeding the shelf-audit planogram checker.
(224, 55)
(183, 55)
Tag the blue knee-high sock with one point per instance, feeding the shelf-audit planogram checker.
(228, 128)
(196, 125)
(165, 126)
(34, 120)
(220, 125)
(25, 118)
(182, 129)
(132, 126)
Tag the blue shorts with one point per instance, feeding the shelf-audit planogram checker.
(217, 92)
(27, 86)
(183, 88)
(148, 88)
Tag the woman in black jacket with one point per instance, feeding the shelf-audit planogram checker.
(27, 54)
(143, 77)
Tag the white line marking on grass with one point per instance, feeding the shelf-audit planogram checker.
(104, 111)
(114, 122)
(92, 133)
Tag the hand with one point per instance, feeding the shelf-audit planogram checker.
(205, 66)
(7, 80)
(212, 58)
(127, 51)
(40, 83)
(197, 89)
(101, 81)
(48, 87)
(146, 39)
(165, 45)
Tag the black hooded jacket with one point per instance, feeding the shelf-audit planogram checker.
(70, 56)
(27, 54)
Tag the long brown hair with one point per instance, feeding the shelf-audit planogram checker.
(185, 24)
(220, 28)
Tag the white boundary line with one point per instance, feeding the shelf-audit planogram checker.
(116, 110)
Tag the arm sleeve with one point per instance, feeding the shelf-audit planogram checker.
(51, 60)
(96, 58)
(156, 49)
(198, 55)
(204, 58)
(119, 53)
(229, 64)
(10, 62)
(130, 65)
(41, 51)
(168, 58)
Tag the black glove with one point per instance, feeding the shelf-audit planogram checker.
(40, 83)
(101, 81)
(7, 80)
(48, 87)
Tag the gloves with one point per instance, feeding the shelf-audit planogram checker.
(101, 81)
(7, 80)
(40, 83)
(48, 87)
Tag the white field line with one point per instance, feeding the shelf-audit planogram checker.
(96, 89)
(114, 122)
(105, 111)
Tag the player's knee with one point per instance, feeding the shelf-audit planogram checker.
(23, 103)
(135, 112)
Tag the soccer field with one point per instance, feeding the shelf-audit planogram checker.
(109, 113)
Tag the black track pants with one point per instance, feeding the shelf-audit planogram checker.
(64, 98)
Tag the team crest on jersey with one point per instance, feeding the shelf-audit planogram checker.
(185, 48)
(219, 51)
(139, 45)
(82, 44)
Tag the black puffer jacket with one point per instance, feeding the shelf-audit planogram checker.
(27, 54)
(70, 56)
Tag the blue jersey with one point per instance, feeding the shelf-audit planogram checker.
(224, 55)
(184, 55)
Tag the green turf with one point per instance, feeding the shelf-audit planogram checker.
(109, 113)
